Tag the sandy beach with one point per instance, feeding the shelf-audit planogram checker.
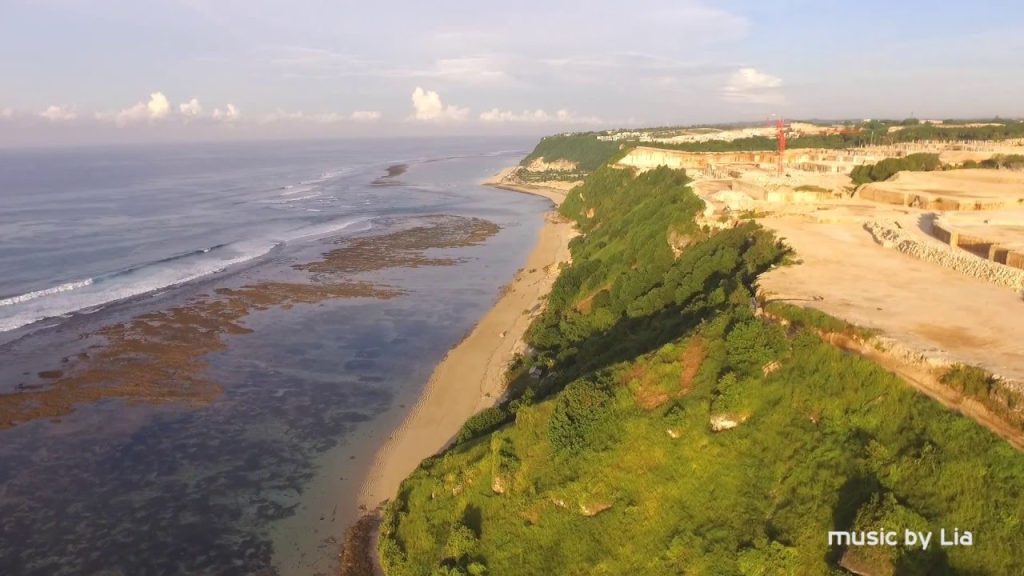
(471, 376)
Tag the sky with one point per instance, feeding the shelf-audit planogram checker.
(80, 71)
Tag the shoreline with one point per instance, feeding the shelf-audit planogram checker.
(501, 182)
(471, 376)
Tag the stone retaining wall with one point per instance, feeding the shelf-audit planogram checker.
(967, 264)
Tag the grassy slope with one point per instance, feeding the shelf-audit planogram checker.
(584, 149)
(827, 440)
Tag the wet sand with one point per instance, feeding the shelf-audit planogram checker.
(471, 376)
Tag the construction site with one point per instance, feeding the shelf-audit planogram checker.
(931, 262)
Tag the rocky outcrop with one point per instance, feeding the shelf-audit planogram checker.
(561, 165)
(497, 484)
(723, 422)
(594, 509)
(965, 263)
(678, 242)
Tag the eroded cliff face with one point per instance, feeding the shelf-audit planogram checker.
(561, 165)
(643, 159)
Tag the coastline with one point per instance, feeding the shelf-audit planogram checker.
(471, 376)
(502, 182)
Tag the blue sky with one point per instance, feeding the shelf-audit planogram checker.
(119, 70)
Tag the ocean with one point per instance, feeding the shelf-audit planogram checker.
(202, 346)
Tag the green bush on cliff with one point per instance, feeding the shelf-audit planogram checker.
(612, 464)
(484, 421)
(581, 414)
(583, 148)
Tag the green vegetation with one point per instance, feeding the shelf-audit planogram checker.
(814, 320)
(884, 509)
(981, 385)
(851, 139)
(884, 169)
(609, 462)
(583, 148)
(810, 188)
(859, 134)
(998, 161)
(996, 130)
(530, 176)
(926, 162)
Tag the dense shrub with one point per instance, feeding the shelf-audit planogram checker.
(752, 344)
(482, 422)
(969, 380)
(581, 411)
(1003, 161)
(883, 170)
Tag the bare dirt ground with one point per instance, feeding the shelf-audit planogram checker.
(925, 306)
(988, 187)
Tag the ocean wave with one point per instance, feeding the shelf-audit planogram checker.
(66, 287)
(155, 276)
(352, 225)
(75, 297)
(290, 199)
(292, 190)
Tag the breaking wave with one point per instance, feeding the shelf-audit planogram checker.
(90, 293)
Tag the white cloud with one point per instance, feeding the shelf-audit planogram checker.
(280, 115)
(325, 118)
(751, 86)
(539, 116)
(157, 108)
(229, 114)
(129, 115)
(427, 105)
(276, 116)
(56, 113)
(366, 115)
(328, 118)
(190, 109)
(7, 113)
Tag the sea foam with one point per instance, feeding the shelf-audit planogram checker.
(66, 287)
(71, 297)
